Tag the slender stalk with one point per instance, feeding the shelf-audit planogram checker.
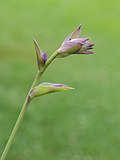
(14, 131)
(18, 122)
(24, 107)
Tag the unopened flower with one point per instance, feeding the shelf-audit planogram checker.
(45, 88)
(41, 57)
(74, 45)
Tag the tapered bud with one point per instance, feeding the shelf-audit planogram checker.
(74, 45)
(41, 57)
(46, 88)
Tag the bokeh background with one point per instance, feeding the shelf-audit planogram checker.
(82, 124)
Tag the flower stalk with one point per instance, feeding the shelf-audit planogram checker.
(24, 107)
(15, 129)
(71, 45)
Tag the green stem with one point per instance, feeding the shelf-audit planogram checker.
(14, 131)
(19, 120)
(24, 107)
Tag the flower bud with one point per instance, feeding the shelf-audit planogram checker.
(74, 45)
(41, 57)
(45, 88)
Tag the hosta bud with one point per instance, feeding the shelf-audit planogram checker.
(74, 45)
(41, 57)
(45, 88)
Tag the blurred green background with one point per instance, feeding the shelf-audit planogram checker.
(82, 124)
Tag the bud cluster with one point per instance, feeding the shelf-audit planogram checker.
(74, 45)
(71, 45)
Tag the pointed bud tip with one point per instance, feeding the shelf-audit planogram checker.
(63, 87)
(80, 26)
(35, 42)
(71, 88)
(91, 44)
(68, 88)
(78, 30)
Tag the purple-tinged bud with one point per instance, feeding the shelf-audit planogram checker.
(45, 88)
(41, 57)
(86, 47)
(74, 45)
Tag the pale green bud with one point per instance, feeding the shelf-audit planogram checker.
(45, 88)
